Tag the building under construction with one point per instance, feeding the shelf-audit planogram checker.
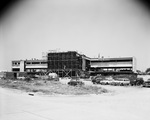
(68, 63)
(71, 63)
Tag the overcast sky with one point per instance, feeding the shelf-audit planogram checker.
(113, 28)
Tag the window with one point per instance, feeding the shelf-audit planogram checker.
(15, 63)
(35, 62)
(43, 62)
(15, 69)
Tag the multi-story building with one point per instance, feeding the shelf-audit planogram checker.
(122, 65)
(30, 66)
(72, 63)
(18, 65)
(36, 66)
(68, 63)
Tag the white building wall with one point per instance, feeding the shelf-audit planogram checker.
(111, 64)
(134, 64)
(16, 67)
(22, 66)
(36, 66)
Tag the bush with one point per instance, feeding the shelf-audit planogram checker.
(39, 83)
(28, 79)
(51, 87)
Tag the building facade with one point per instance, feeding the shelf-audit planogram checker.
(36, 66)
(71, 63)
(18, 66)
(30, 66)
(68, 63)
(122, 65)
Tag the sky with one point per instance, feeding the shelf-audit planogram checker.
(111, 28)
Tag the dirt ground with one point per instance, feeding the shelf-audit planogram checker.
(121, 103)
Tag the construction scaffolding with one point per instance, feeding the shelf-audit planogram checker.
(65, 64)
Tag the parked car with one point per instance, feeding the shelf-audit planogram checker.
(146, 83)
(121, 82)
(75, 83)
(115, 82)
(125, 82)
(21, 78)
(96, 79)
(137, 81)
(107, 81)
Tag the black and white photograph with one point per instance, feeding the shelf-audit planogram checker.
(74, 60)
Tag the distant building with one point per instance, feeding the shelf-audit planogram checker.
(18, 65)
(35, 66)
(122, 65)
(30, 66)
(71, 63)
(68, 63)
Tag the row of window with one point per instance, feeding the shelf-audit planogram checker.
(15, 63)
(36, 62)
(36, 70)
(111, 69)
(93, 61)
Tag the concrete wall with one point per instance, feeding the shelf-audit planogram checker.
(83, 64)
(111, 64)
(134, 64)
(22, 66)
(36, 66)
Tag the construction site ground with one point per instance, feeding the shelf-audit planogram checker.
(121, 103)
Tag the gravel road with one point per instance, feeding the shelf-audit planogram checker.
(122, 103)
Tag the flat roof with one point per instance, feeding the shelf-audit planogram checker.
(62, 52)
(59, 52)
(17, 60)
(36, 60)
(107, 59)
(31, 60)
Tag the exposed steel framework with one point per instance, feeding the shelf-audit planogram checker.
(68, 63)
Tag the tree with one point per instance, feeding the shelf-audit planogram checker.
(148, 71)
(139, 72)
